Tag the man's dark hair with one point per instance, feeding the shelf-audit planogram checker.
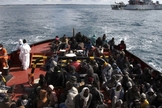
(1, 45)
(24, 40)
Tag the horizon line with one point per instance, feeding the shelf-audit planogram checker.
(55, 4)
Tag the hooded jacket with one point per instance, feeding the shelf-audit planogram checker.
(152, 97)
(69, 102)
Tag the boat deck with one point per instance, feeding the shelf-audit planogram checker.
(20, 76)
(42, 48)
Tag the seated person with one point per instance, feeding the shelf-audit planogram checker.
(3, 56)
(73, 44)
(83, 99)
(117, 94)
(122, 46)
(76, 64)
(64, 43)
(87, 47)
(55, 44)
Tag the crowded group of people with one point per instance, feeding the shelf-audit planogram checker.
(126, 83)
(81, 42)
(119, 82)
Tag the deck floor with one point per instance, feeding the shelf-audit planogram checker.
(42, 48)
(21, 77)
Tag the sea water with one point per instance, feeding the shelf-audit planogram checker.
(141, 30)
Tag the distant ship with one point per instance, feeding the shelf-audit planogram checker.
(137, 5)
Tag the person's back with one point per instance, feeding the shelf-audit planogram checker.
(97, 98)
(93, 40)
(25, 55)
(57, 77)
(111, 43)
(25, 48)
(90, 73)
(74, 44)
(99, 42)
(76, 64)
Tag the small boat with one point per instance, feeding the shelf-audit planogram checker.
(40, 51)
(138, 5)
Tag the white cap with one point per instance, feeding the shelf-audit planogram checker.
(0, 73)
(51, 87)
(143, 95)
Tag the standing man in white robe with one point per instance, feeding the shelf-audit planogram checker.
(25, 50)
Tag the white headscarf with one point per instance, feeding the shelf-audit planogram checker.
(84, 98)
(20, 41)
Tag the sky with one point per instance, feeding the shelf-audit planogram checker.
(4, 2)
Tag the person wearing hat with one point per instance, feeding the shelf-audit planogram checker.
(106, 72)
(72, 72)
(83, 99)
(18, 48)
(144, 101)
(135, 104)
(90, 73)
(151, 95)
(73, 80)
(117, 94)
(52, 97)
(3, 57)
(109, 80)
